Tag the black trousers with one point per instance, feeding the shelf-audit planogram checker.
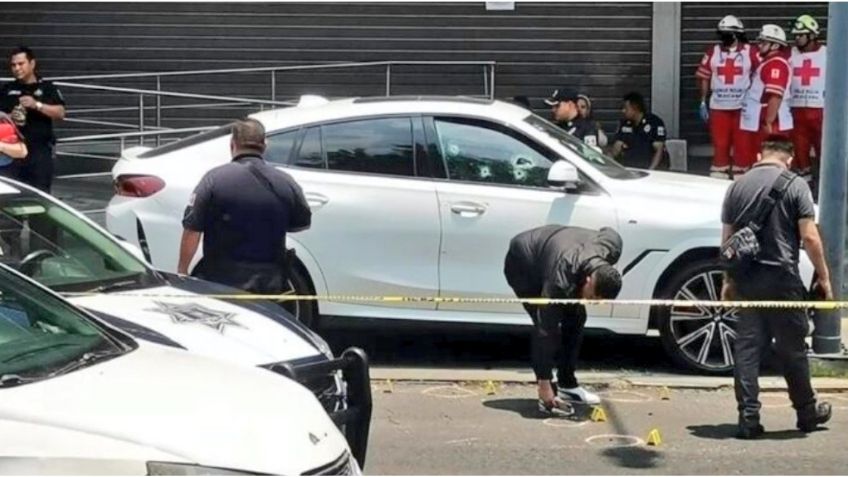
(254, 277)
(755, 331)
(36, 170)
(558, 333)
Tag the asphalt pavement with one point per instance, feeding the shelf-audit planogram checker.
(459, 429)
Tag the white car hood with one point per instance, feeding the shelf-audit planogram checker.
(693, 202)
(205, 326)
(676, 186)
(157, 403)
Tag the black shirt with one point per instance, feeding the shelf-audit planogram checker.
(38, 127)
(557, 258)
(582, 129)
(780, 238)
(240, 217)
(639, 139)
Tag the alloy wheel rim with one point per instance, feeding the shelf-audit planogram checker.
(704, 334)
(292, 306)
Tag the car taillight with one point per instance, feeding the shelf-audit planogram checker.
(138, 186)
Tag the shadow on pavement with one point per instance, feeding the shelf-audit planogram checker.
(526, 408)
(488, 348)
(728, 431)
(633, 457)
(629, 457)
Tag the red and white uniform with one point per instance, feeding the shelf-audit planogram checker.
(771, 78)
(729, 74)
(807, 103)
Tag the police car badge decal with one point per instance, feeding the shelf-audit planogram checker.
(194, 313)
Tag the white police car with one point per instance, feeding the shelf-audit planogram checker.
(65, 251)
(80, 397)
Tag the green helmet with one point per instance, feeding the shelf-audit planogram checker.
(805, 24)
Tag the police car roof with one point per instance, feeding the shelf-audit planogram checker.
(359, 107)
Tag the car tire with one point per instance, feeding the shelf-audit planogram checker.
(305, 311)
(699, 339)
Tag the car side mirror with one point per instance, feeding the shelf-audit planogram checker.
(563, 174)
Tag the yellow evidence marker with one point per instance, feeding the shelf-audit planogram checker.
(598, 414)
(654, 438)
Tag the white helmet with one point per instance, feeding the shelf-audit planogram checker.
(731, 24)
(773, 34)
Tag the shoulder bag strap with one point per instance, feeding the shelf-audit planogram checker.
(775, 195)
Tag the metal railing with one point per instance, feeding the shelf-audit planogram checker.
(156, 130)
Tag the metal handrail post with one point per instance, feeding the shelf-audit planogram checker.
(158, 108)
(492, 79)
(389, 79)
(485, 80)
(273, 85)
(141, 118)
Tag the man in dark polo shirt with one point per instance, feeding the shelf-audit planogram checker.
(774, 276)
(563, 103)
(243, 211)
(33, 104)
(640, 139)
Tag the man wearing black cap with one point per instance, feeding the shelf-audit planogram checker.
(563, 103)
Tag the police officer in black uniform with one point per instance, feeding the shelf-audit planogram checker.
(563, 103)
(33, 104)
(243, 211)
(640, 140)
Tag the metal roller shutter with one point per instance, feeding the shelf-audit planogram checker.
(604, 49)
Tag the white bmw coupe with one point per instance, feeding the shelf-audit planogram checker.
(420, 196)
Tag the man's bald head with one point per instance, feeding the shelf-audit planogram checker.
(248, 137)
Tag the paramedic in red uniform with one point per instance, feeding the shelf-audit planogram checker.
(808, 61)
(765, 107)
(723, 77)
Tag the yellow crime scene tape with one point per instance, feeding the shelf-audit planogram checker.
(818, 305)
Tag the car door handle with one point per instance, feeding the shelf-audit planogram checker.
(468, 209)
(316, 200)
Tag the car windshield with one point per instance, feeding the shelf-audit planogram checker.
(41, 335)
(607, 165)
(54, 246)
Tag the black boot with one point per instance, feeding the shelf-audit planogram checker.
(749, 428)
(810, 418)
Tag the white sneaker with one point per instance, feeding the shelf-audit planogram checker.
(579, 395)
(560, 408)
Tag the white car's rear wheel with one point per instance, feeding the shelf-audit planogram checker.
(304, 311)
(698, 338)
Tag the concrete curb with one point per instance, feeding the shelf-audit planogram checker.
(593, 379)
